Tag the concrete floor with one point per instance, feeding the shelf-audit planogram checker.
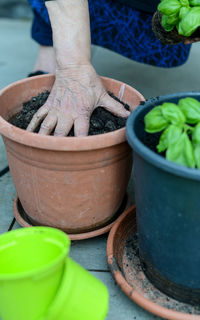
(17, 55)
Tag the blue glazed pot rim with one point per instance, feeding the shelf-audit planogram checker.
(149, 155)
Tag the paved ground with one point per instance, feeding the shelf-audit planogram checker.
(17, 56)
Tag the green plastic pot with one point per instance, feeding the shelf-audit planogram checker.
(32, 262)
(81, 296)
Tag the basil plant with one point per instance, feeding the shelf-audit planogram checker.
(182, 14)
(180, 127)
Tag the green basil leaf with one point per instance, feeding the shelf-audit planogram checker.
(191, 109)
(196, 135)
(154, 120)
(169, 7)
(190, 22)
(169, 136)
(165, 24)
(189, 152)
(182, 151)
(184, 3)
(197, 156)
(194, 3)
(183, 11)
(173, 114)
(173, 19)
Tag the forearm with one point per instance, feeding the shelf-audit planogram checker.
(71, 31)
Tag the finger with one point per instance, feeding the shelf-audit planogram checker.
(37, 118)
(190, 41)
(63, 127)
(114, 107)
(81, 126)
(48, 124)
(187, 42)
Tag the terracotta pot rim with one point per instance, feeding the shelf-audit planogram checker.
(61, 143)
(131, 292)
(76, 236)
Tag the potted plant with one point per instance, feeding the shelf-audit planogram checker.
(167, 191)
(176, 21)
(73, 183)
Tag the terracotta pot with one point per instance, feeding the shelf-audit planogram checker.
(75, 184)
(22, 218)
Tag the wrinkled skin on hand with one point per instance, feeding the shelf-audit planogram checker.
(77, 91)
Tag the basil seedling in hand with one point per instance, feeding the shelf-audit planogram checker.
(184, 15)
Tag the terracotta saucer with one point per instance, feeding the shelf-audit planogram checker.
(124, 263)
(23, 219)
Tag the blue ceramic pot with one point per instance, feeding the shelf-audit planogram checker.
(168, 212)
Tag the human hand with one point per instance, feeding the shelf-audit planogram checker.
(77, 91)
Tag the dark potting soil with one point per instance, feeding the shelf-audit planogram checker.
(101, 121)
(150, 140)
(137, 279)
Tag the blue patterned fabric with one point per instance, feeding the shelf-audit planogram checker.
(119, 28)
